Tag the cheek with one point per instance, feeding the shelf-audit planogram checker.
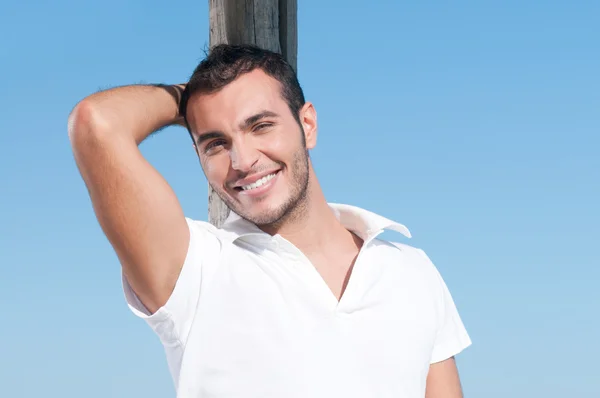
(215, 168)
(280, 146)
(276, 147)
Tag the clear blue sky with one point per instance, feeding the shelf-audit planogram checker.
(474, 124)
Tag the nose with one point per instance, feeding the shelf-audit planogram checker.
(243, 157)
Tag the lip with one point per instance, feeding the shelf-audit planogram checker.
(263, 188)
(254, 178)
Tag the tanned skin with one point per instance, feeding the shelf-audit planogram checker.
(242, 132)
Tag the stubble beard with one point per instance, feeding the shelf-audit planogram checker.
(294, 207)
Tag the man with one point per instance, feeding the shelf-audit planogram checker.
(293, 296)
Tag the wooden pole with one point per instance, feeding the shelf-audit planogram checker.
(269, 24)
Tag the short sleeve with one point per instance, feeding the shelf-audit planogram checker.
(173, 321)
(451, 336)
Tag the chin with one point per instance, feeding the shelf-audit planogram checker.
(264, 214)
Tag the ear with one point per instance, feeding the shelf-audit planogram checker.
(308, 119)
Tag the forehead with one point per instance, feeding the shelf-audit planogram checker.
(246, 96)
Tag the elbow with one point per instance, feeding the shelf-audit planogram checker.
(85, 122)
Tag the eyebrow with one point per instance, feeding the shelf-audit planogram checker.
(208, 136)
(243, 126)
(255, 118)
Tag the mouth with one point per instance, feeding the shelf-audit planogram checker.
(259, 186)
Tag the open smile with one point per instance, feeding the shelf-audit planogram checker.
(260, 186)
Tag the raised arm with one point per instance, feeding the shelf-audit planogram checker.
(136, 208)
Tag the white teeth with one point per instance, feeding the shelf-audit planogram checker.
(258, 183)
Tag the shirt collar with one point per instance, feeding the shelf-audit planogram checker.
(362, 222)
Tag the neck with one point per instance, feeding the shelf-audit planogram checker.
(313, 225)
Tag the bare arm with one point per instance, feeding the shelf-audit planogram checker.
(135, 206)
(443, 380)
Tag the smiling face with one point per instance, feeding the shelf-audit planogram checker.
(252, 149)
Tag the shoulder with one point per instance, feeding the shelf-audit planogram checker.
(203, 225)
(409, 253)
(201, 229)
(409, 258)
(206, 240)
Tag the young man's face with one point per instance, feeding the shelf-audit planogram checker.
(251, 147)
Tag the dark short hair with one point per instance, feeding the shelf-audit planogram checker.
(225, 63)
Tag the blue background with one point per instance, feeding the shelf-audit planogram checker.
(475, 124)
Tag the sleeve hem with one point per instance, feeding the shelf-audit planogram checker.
(138, 309)
(163, 313)
(450, 349)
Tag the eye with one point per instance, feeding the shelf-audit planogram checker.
(262, 126)
(214, 145)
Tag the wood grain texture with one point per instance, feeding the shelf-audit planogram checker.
(288, 31)
(270, 24)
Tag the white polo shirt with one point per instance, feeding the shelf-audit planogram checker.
(251, 317)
